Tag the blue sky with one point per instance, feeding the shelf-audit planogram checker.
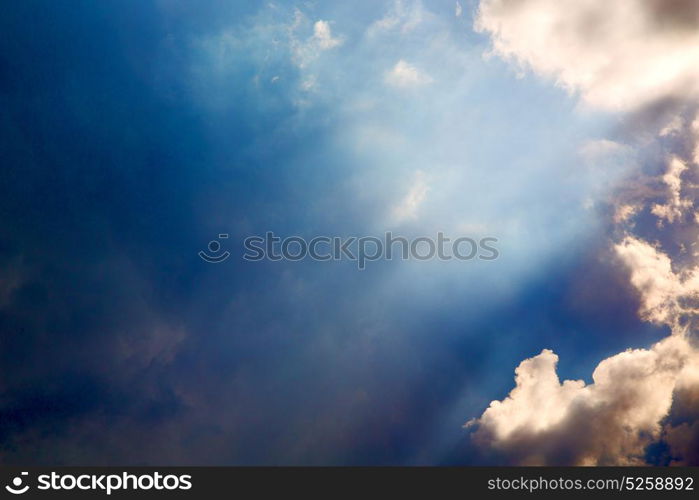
(135, 132)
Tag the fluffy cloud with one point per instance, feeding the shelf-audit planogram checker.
(619, 55)
(665, 295)
(638, 397)
(610, 421)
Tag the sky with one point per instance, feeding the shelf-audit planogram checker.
(134, 133)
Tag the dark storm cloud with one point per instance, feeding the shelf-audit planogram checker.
(90, 191)
(673, 14)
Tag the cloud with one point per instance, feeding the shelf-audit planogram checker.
(681, 432)
(403, 17)
(665, 295)
(322, 36)
(637, 398)
(676, 205)
(408, 207)
(405, 75)
(619, 55)
(281, 46)
(608, 422)
(624, 212)
(306, 51)
(631, 56)
(458, 9)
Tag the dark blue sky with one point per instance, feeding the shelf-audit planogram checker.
(132, 133)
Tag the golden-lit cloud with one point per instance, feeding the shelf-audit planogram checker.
(618, 55)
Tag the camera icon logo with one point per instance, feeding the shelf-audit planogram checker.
(214, 247)
(16, 487)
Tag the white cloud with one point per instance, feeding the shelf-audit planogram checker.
(676, 205)
(619, 55)
(405, 75)
(665, 295)
(308, 50)
(625, 212)
(673, 127)
(323, 37)
(409, 205)
(275, 38)
(610, 421)
(458, 9)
